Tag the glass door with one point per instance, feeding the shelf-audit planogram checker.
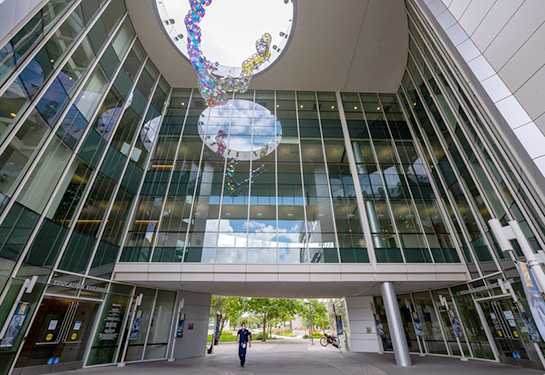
(57, 336)
(508, 330)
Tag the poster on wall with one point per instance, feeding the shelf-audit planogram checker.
(455, 323)
(180, 329)
(417, 324)
(339, 320)
(378, 324)
(15, 325)
(136, 323)
(534, 297)
(532, 331)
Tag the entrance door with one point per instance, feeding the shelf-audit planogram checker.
(505, 324)
(57, 338)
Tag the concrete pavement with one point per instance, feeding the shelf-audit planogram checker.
(298, 357)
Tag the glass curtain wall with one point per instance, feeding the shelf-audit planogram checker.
(475, 181)
(266, 179)
(80, 108)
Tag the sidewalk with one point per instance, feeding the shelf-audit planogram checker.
(299, 357)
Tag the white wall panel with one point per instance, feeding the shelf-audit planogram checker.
(527, 19)
(474, 14)
(494, 21)
(197, 309)
(531, 56)
(361, 320)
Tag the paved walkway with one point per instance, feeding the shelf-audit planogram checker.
(298, 357)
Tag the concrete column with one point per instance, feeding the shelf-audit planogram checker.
(196, 306)
(397, 333)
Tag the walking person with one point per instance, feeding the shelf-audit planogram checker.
(244, 339)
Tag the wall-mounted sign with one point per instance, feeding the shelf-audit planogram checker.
(136, 323)
(378, 325)
(534, 297)
(68, 284)
(180, 329)
(456, 328)
(15, 325)
(52, 325)
(339, 321)
(417, 324)
(110, 332)
(481, 288)
(532, 331)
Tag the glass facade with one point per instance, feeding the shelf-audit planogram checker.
(103, 163)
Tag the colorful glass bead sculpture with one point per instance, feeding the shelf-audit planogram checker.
(214, 89)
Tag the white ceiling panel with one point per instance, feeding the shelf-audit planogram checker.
(351, 45)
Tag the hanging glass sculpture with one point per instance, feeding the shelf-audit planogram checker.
(214, 89)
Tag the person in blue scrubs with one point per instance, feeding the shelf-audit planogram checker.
(244, 339)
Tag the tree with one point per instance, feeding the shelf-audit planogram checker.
(231, 309)
(269, 309)
(319, 313)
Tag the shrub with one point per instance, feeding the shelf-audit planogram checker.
(259, 336)
(227, 332)
(316, 335)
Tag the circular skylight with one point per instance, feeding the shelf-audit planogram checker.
(230, 29)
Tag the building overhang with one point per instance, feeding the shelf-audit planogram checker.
(290, 280)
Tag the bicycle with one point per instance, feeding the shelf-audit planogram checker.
(328, 339)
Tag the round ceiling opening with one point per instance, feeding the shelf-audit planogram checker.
(230, 29)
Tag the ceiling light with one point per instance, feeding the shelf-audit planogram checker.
(301, 106)
(13, 114)
(378, 108)
(355, 107)
(332, 107)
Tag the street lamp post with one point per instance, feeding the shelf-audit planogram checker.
(310, 322)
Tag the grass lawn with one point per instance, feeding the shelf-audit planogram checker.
(223, 338)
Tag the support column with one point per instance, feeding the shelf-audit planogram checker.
(397, 333)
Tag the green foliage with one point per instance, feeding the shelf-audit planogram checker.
(316, 335)
(259, 336)
(319, 313)
(226, 333)
(271, 309)
(223, 338)
(264, 310)
(289, 334)
(231, 309)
